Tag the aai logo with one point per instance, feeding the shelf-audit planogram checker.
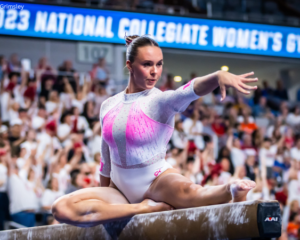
(271, 219)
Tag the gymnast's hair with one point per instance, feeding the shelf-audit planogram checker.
(134, 42)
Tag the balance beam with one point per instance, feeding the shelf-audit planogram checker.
(251, 219)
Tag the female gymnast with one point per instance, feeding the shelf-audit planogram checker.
(137, 125)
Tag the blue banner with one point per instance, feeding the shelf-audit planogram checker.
(83, 24)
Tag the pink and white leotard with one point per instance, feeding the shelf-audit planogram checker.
(136, 129)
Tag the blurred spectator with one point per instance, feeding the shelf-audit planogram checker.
(100, 73)
(261, 109)
(77, 100)
(267, 91)
(3, 67)
(89, 113)
(225, 174)
(48, 141)
(293, 118)
(4, 206)
(238, 156)
(295, 151)
(21, 208)
(280, 92)
(77, 182)
(65, 128)
(193, 129)
(14, 64)
(267, 155)
(293, 226)
(250, 167)
(169, 85)
(6, 96)
(49, 196)
(47, 83)
(66, 70)
(179, 137)
(99, 97)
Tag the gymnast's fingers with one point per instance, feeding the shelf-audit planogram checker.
(241, 90)
(223, 92)
(249, 80)
(246, 74)
(247, 87)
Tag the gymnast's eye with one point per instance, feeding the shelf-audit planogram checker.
(147, 64)
(160, 64)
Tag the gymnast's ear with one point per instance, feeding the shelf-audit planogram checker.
(129, 66)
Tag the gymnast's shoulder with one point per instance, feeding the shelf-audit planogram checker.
(110, 103)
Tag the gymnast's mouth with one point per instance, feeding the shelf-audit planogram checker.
(151, 80)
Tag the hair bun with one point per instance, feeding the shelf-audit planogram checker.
(129, 39)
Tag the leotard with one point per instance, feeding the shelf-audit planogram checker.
(136, 129)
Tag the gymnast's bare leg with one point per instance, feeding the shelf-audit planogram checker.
(91, 206)
(179, 192)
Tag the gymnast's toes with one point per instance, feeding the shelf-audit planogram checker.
(240, 188)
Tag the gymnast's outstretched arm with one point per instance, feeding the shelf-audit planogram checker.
(206, 84)
(166, 104)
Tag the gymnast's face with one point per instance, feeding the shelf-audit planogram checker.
(147, 67)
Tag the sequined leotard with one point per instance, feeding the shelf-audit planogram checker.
(135, 131)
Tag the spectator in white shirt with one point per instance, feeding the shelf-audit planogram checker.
(79, 123)
(6, 95)
(179, 137)
(30, 143)
(267, 155)
(293, 118)
(238, 156)
(193, 128)
(79, 99)
(180, 142)
(225, 175)
(295, 151)
(21, 208)
(65, 128)
(48, 142)
(53, 105)
(50, 195)
(60, 168)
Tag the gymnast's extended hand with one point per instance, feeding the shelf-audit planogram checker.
(208, 83)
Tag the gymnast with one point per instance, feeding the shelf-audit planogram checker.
(136, 127)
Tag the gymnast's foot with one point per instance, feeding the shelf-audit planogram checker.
(239, 189)
(150, 206)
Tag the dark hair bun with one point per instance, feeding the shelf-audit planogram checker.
(129, 39)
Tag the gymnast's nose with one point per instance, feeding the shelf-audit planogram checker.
(153, 71)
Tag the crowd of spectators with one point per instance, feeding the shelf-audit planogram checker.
(50, 140)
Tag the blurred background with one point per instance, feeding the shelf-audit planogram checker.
(61, 59)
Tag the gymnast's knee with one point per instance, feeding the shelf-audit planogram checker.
(188, 191)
